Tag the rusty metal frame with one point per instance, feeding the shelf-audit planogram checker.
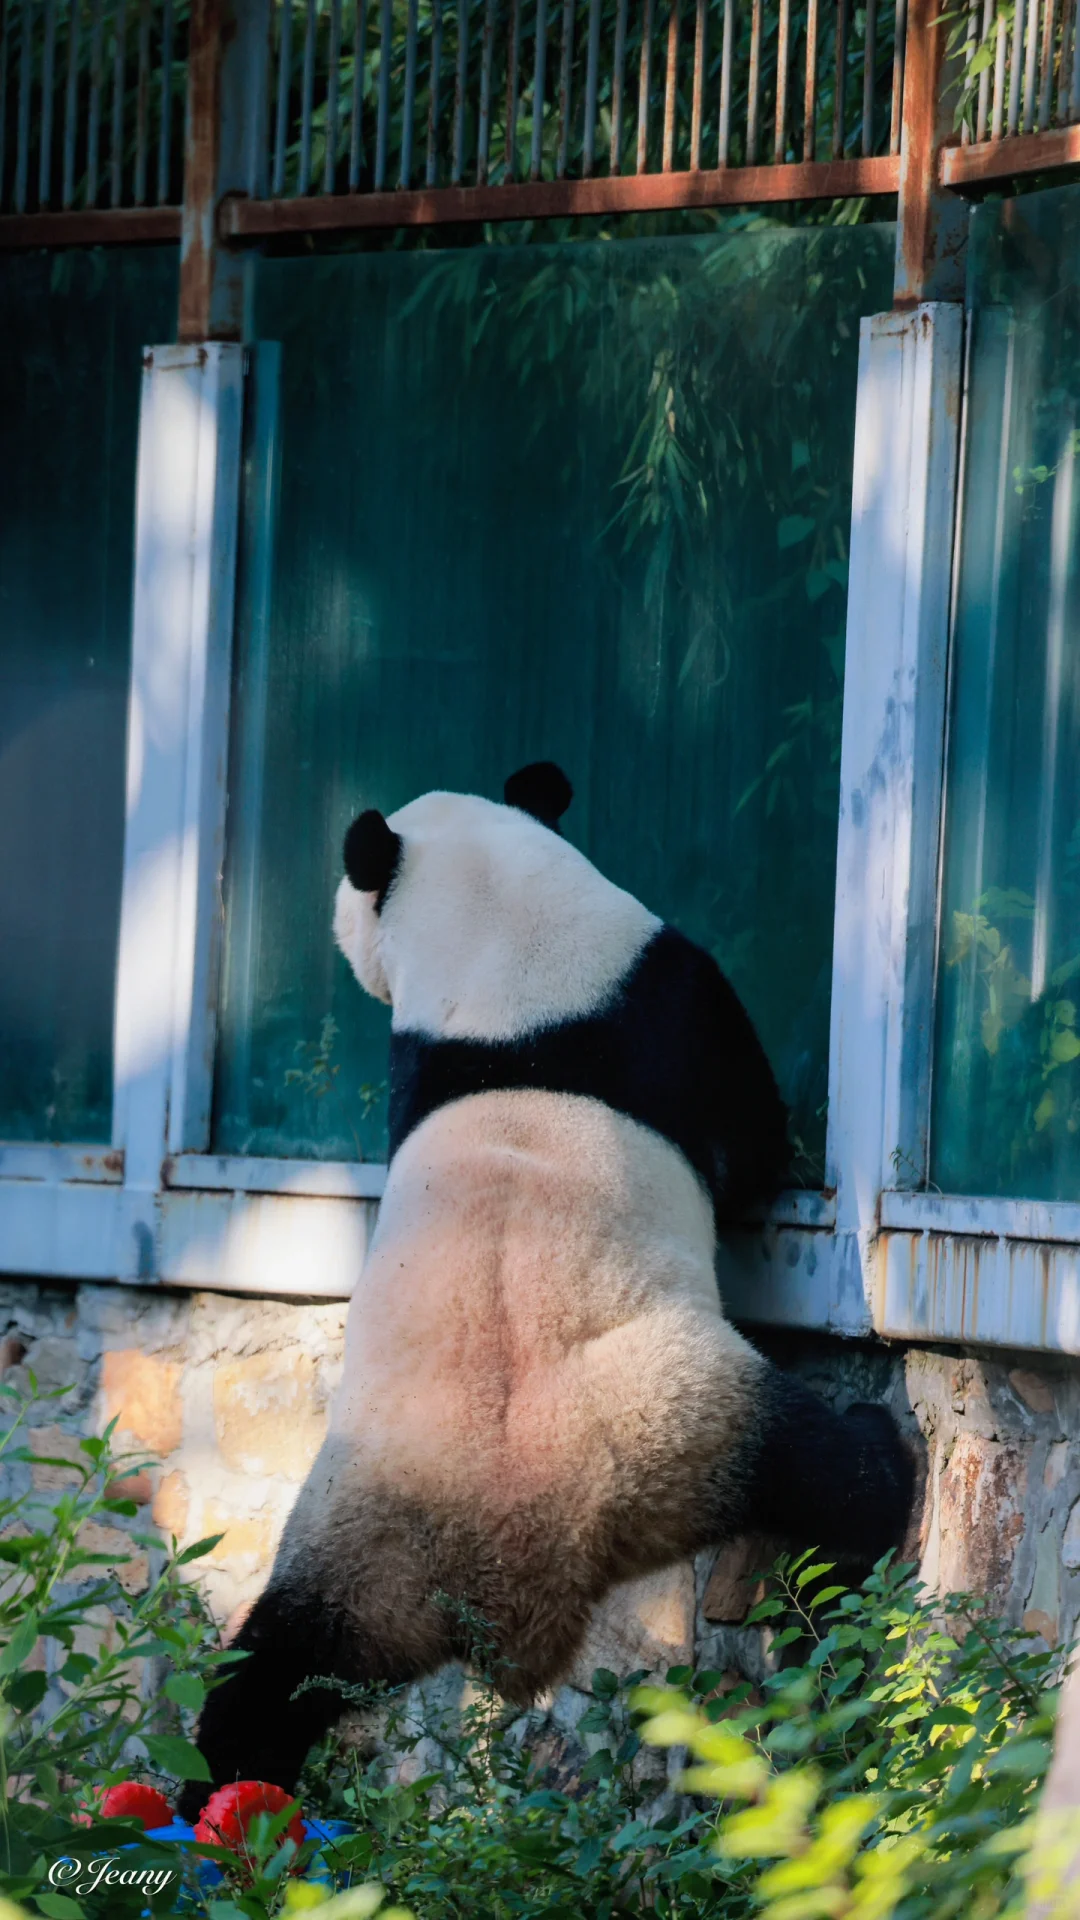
(249, 219)
(967, 170)
(202, 134)
(32, 1161)
(932, 225)
(91, 227)
(224, 163)
(225, 151)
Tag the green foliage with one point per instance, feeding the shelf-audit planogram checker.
(510, 155)
(892, 1767)
(889, 1764)
(78, 1652)
(316, 1074)
(1030, 1046)
(716, 443)
(93, 46)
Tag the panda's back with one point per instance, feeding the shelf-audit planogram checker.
(538, 1305)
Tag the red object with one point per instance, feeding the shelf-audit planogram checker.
(229, 1812)
(131, 1801)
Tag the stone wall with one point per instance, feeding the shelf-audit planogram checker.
(231, 1395)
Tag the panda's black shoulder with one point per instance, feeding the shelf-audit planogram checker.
(701, 1075)
(672, 1047)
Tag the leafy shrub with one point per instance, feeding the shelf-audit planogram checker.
(76, 1712)
(888, 1766)
(892, 1768)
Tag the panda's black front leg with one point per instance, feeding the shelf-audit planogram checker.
(841, 1482)
(252, 1728)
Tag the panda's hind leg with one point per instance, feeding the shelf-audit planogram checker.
(260, 1722)
(349, 1602)
(807, 1476)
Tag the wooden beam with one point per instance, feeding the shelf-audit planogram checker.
(931, 238)
(243, 219)
(965, 169)
(90, 227)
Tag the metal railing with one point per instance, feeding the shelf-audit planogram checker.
(1021, 71)
(397, 94)
(91, 104)
(354, 113)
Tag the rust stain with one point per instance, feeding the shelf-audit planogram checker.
(932, 226)
(961, 1261)
(94, 1164)
(964, 169)
(1043, 1254)
(933, 1288)
(201, 149)
(939, 1293)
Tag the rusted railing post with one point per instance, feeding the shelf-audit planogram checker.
(225, 151)
(932, 224)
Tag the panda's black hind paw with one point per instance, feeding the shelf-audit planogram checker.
(818, 1478)
(885, 1477)
(191, 1800)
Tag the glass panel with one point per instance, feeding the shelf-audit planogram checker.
(72, 327)
(1007, 1083)
(588, 504)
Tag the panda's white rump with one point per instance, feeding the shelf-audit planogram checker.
(538, 1315)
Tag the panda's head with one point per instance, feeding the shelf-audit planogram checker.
(475, 920)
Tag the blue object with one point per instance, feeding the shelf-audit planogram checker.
(209, 1874)
(179, 1833)
(320, 1869)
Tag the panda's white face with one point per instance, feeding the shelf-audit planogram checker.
(493, 926)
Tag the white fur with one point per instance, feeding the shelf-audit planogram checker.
(541, 1394)
(494, 926)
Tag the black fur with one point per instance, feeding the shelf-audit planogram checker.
(800, 1475)
(251, 1719)
(372, 855)
(541, 789)
(843, 1482)
(673, 1048)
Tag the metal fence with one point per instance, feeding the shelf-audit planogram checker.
(91, 103)
(320, 116)
(400, 93)
(1021, 71)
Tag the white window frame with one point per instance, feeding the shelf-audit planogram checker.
(875, 1251)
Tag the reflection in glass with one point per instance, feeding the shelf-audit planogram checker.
(587, 503)
(74, 325)
(1007, 1083)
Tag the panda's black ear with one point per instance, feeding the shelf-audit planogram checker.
(541, 789)
(372, 854)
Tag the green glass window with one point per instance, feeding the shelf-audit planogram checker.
(588, 503)
(1007, 1080)
(72, 327)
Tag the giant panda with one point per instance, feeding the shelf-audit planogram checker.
(541, 1394)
